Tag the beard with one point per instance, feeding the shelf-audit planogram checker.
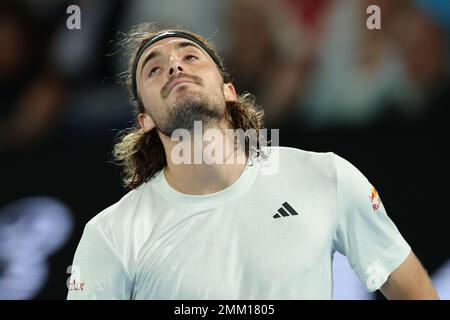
(193, 107)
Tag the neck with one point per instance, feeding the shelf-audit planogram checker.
(208, 174)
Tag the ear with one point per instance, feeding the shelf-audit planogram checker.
(145, 122)
(230, 92)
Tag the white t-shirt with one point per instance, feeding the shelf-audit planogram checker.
(267, 236)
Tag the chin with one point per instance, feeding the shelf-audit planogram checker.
(186, 96)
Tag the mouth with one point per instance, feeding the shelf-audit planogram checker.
(177, 82)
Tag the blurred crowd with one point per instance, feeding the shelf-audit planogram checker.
(378, 97)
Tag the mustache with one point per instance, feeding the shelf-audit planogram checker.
(165, 89)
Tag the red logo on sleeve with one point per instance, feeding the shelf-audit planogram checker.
(375, 199)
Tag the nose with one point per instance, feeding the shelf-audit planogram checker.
(172, 70)
(174, 67)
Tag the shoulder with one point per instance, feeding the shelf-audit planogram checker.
(323, 166)
(119, 223)
(119, 212)
(289, 158)
(304, 155)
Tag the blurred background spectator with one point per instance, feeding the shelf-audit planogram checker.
(379, 98)
(265, 55)
(31, 92)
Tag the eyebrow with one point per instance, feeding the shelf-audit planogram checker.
(156, 53)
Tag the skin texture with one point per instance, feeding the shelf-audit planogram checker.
(190, 63)
(409, 282)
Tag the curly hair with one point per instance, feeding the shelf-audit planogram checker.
(142, 154)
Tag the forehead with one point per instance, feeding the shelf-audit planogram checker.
(167, 44)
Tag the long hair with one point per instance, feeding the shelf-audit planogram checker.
(142, 154)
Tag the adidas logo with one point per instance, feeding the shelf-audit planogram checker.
(283, 213)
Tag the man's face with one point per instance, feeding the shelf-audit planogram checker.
(179, 83)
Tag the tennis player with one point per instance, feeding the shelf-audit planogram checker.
(228, 229)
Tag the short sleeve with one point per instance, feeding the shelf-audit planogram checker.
(97, 271)
(364, 233)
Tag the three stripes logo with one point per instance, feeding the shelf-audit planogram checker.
(283, 213)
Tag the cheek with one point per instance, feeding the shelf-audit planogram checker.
(213, 83)
(152, 102)
(151, 88)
